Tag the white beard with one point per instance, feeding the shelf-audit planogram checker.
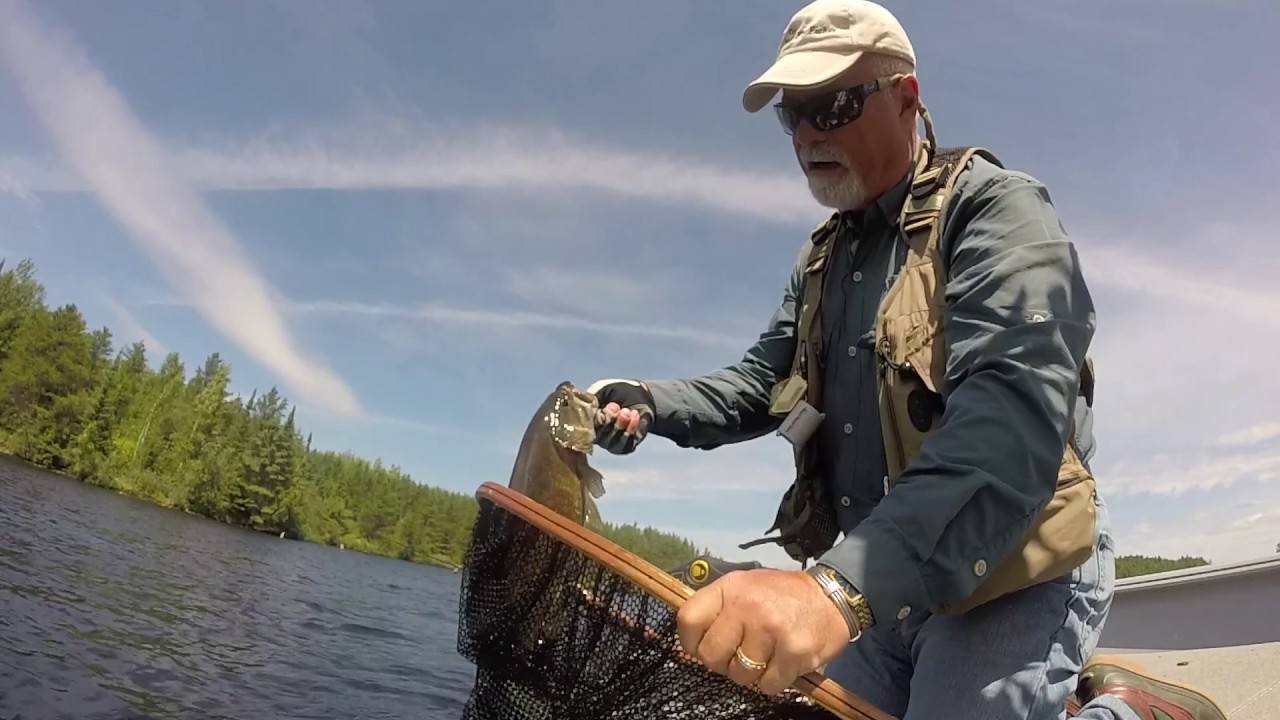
(844, 191)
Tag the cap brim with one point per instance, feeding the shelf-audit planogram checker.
(801, 70)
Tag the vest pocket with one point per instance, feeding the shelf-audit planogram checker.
(1061, 539)
(910, 409)
(911, 340)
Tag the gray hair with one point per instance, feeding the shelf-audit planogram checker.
(882, 65)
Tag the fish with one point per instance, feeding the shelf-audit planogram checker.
(551, 466)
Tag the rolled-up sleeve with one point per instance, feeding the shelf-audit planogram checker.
(1019, 321)
(731, 404)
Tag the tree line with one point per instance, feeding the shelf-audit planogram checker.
(71, 402)
(1131, 565)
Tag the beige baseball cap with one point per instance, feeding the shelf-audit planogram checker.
(825, 39)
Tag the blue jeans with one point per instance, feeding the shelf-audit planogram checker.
(1017, 657)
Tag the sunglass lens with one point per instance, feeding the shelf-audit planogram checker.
(788, 117)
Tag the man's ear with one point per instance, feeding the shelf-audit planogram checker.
(909, 96)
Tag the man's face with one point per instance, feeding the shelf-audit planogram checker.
(849, 165)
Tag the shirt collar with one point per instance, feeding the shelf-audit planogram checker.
(888, 206)
(883, 211)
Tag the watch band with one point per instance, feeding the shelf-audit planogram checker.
(857, 600)
(862, 609)
(853, 605)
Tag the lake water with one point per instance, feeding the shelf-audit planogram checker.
(113, 608)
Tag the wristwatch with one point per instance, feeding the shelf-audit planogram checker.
(852, 604)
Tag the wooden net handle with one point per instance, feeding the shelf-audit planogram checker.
(826, 692)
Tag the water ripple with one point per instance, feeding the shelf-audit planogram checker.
(114, 609)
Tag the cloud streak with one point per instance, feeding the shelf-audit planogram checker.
(1175, 475)
(495, 158)
(1125, 269)
(108, 148)
(452, 315)
(389, 156)
(391, 421)
(1250, 435)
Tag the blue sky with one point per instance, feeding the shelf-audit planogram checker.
(416, 218)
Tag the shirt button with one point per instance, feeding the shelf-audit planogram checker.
(903, 612)
(980, 568)
(848, 428)
(844, 500)
(857, 276)
(853, 350)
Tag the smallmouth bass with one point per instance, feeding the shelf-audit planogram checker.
(542, 582)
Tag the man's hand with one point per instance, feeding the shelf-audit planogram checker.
(777, 617)
(626, 412)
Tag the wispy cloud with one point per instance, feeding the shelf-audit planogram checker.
(494, 158)
(1184, 472)
(387, 155)
(389, 421)
(1123, 268)
(12, 186)
(445, 314)
(1250, 435)
(129, 328)
(112, 153)
(582, 293)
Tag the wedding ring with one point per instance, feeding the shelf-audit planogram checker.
(747, 662)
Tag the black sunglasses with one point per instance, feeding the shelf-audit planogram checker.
(832, 110)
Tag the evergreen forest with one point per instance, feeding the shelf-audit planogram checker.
(71, 402)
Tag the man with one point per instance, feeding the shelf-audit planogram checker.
(928, 364)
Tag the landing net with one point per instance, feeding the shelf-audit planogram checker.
(562, 624)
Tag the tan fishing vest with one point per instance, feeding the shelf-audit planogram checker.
(911, 354)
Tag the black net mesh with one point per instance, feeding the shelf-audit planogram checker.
(555, 635)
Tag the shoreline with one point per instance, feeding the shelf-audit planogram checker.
(9, 457)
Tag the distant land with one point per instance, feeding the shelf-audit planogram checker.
(71, 402)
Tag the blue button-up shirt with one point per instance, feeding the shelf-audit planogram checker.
(1019, 321)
